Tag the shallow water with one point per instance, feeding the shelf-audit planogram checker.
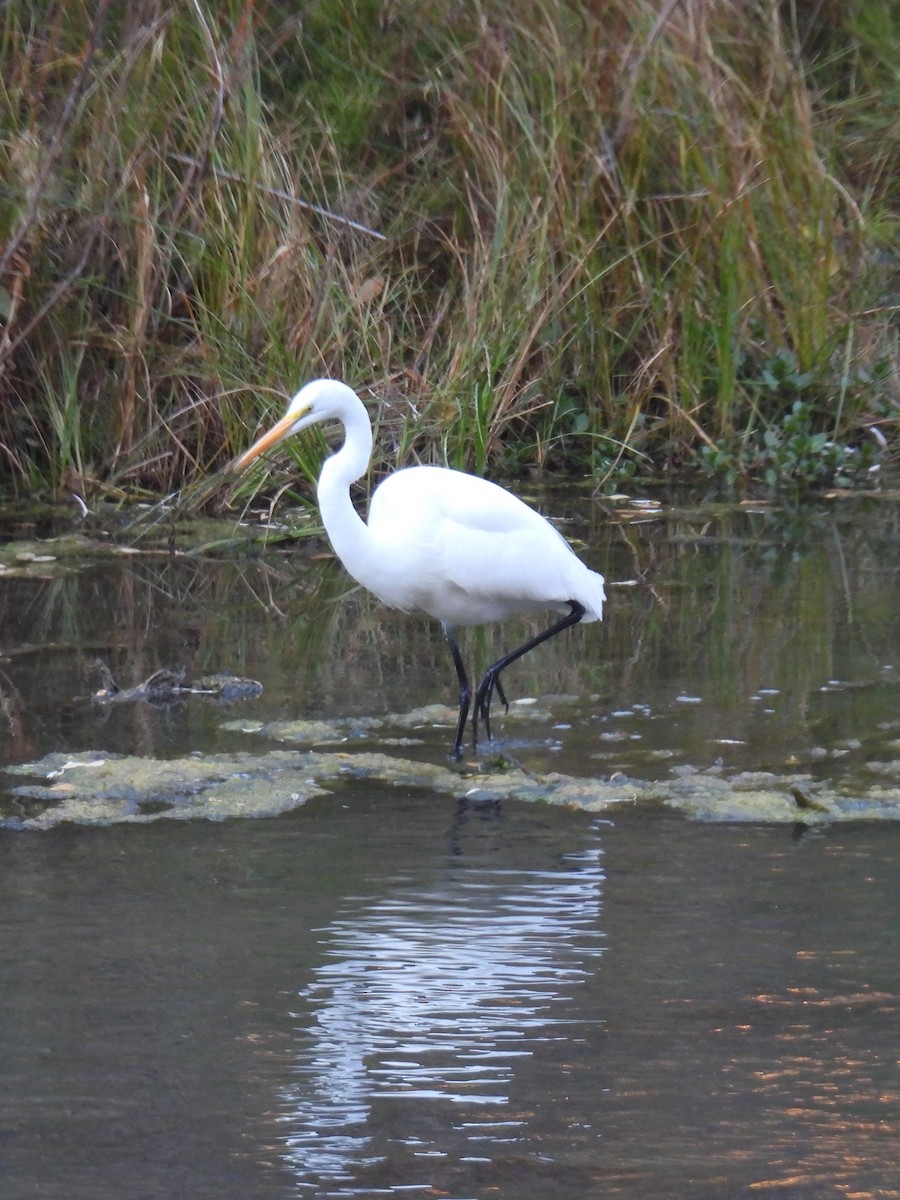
(748, 635)
(387, 992)
(391, 994)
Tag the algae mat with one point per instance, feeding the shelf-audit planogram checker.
(101, 789)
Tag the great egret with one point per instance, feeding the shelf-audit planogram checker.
(458, 548)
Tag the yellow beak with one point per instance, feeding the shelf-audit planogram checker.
(269, 439)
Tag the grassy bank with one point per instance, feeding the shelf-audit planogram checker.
(613, 237)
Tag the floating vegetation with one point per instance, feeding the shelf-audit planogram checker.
(338, 730)
(114, 535)
(94, 788)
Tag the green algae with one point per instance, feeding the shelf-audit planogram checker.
(339, 730)
(45, 558)
(322, 756)
(101, 789)
(94, 788)
(107, 536)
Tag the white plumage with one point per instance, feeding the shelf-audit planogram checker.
(456, 547)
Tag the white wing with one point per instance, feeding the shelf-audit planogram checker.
(465, 550)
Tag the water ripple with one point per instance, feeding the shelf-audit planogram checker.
(431, 997)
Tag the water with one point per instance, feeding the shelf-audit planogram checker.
(389, 993)
(758, 637)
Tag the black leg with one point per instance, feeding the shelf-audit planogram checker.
(465, 690)
(491, 678)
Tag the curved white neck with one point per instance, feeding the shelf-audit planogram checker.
(348, 533)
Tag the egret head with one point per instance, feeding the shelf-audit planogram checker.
(320, 400)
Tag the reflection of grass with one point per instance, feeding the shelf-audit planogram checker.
(740, 601)
(559, 235)
(745, 603)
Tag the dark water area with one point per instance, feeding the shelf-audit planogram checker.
(389, 992)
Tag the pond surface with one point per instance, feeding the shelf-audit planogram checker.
(392, 992)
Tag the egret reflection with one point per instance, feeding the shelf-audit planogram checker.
(427, 1000)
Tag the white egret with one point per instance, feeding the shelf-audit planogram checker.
(454, 546)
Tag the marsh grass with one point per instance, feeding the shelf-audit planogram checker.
(552, 235)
